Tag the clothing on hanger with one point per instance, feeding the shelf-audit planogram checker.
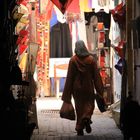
(104, 17)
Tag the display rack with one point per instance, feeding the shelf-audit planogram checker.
(103, 55)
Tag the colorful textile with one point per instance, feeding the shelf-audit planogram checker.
(119, 66)
(53, 20)
(84, 6)
(119, 49)
(119, 15)
(60, 16)
(62, 6)
(49, 9)
(22, 48)
(74, 7)
(90, 4)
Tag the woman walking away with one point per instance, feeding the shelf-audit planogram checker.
(82, 77)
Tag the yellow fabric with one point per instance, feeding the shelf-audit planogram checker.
(23, 62)
(84, 6)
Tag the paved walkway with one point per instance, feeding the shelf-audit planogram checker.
(52, 127)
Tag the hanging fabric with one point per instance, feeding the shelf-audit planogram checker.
(119, 49)
(104, 17)
(62, 45)
(22, 48)
(119, 15)
(60, 16)
(120, 64)
(62, 4)
(84, 6)
(53, 20)
(74, 7)
(101, 4)
(91, 34)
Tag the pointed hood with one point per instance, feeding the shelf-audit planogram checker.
(82, 57)
(83, 62)
(80, 49)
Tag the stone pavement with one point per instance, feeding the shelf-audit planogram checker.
(52, 127)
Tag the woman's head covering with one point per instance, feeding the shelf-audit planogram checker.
(80, 49)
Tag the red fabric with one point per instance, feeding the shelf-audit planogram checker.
(74, 7)
(102, 61)
(21, 40)
(38, 58)
(39, 41)
(23, 33)
(119, 14)
(61, 7)
(19, 1)
(49, 9)
(24, 2)
(22, 48)
(119, 49)
(18, 40)
(103, 74)
(101, 37)
(44, 56)
(24, 40)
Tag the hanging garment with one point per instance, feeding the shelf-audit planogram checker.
(84, 6)
(104, 17)
(101, 37)
(120, 64)
(81, 25)
(119, 15)
(61, 46)
(62, 5)
(92, 35)
(101, 4)
(88, 16)
(119, 49)
(74, 7)
(114, 33)
(60, 17)
(53, 20)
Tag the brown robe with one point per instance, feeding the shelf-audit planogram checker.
(82, 79)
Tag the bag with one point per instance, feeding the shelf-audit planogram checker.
(100, 103)
(67, 111)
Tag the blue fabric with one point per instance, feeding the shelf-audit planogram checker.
(62, 83)
(61, 86)
(53, 20)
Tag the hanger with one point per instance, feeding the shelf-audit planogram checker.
(101, 10)
(93, 9)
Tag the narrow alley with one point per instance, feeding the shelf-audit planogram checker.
(52, 127)
(38, 40)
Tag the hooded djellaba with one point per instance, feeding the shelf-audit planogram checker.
(83, 78)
